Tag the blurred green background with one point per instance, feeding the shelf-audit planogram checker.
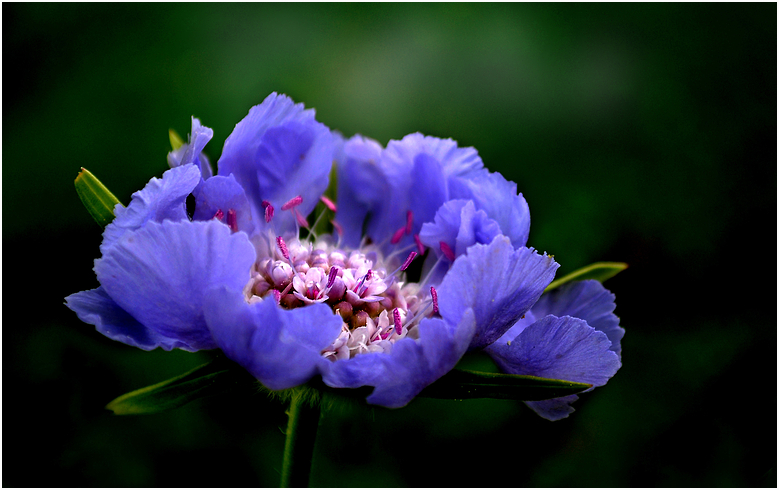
(643, 133)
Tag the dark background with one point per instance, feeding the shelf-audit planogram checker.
(643, 133)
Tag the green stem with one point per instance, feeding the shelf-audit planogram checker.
(299, 446)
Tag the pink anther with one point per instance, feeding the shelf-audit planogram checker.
(398, 235)
(338, 228)
(219, 215)
(295, 201)
(276, 295)
(331, 277)
(447, 251)
(409, 259)
(434, 295)
(409, 221)
(232, 220)
(420, 247)
(268, 212)
(282, 247)
(330, 204)
(396, 318)
(302, 221)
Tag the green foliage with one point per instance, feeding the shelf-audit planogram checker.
(600, 271)
(98, 200)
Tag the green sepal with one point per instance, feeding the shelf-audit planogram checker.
(600, 271)
(175, 140)
(216, 377)
(462, 384)
(98, 200)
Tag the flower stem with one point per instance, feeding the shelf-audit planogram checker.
(299, 446)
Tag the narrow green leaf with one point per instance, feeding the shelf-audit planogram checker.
(600, 271)
(175, 140)
(461, 384)
(96, 197)
(213, 378)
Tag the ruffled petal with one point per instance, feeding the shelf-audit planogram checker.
(362, 191)
(410, 366)
(160, 273)
(498, 197)
(191, 152)
(458, 224)
(97, 308)
(559, 348)
(498, 282)
(223, 194)
(281, 348)
(418, 169)
(587, 300)
(277, 152)
(161, 199)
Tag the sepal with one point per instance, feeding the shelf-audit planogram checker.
(98, 200)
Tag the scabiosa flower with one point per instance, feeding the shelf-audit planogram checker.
(246, 271)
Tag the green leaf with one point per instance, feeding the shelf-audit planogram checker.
(98, 200)
(461, 384)
(175, 140)
(213, 378)
(600, 271)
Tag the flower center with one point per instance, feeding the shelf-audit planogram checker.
(377, 307)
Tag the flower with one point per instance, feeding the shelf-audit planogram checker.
(245, 272)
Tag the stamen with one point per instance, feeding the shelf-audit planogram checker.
(276, 295)
(331, 277)
(409, 221)
(295, 201)
(447, 251)
(420, 247)
(409, 259)
(282, 247)
(268, 211)
(327, 202)
(398, 235)
(232, 220)
(396, 318)
(337, 227)
(300, 219)
(434, 294)
(219, 215)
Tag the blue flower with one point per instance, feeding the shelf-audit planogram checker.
(246, 273)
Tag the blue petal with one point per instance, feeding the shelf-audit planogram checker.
(277, 152)
(499, 283)
(459, 225)
(362, 191)
(554, 409)
(587, 300)
(559, 348)
(97, 308)
(222, 193)
(418, 168)
(498, 197)
(410, 366)
(160, 273)
(161, 199)
(281, 348)
(191, 152)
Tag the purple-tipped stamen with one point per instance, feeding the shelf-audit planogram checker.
(434, 295)
(396, 318)
(331, 277)
(409, 259)
(447, 251)
(282, 247)
(302, 221)
(295, 201)
(420, 247)
(219, 215)
(409, 221)
(276, 295)
(398, 235)
(327, 202)
(232, 220)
